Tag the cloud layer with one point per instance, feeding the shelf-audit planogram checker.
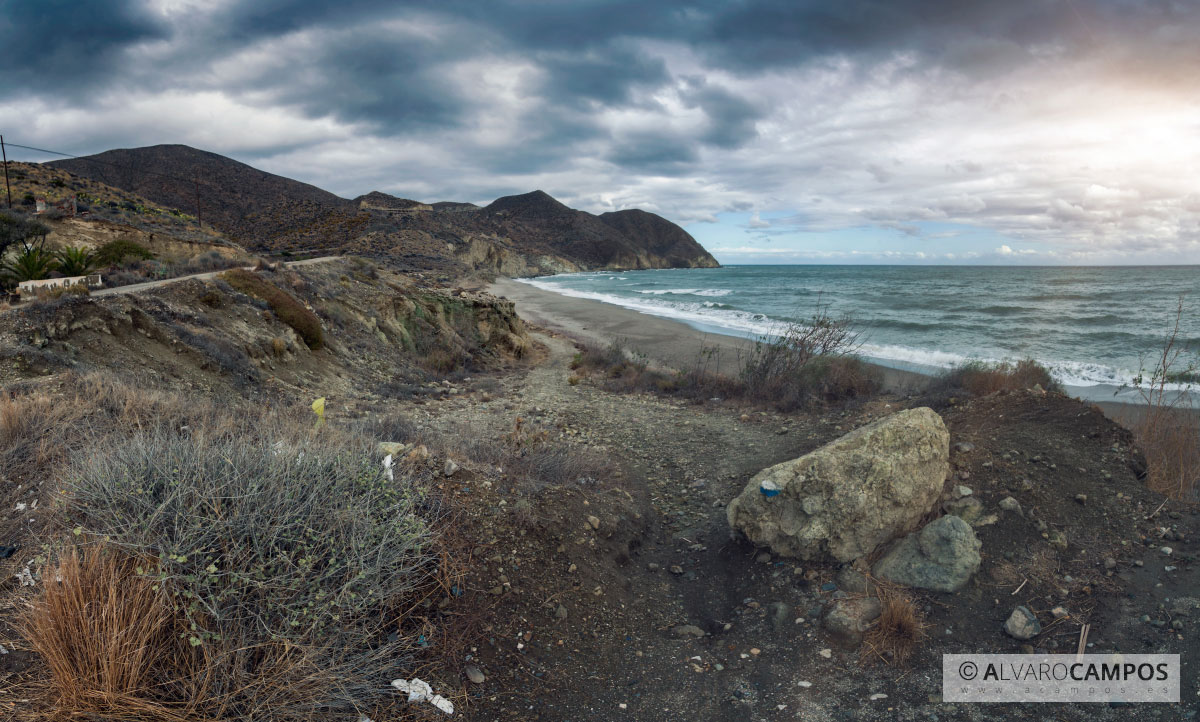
(1061, 130)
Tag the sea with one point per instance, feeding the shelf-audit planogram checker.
(1093, 327)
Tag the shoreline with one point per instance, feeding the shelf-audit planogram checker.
(676, 343)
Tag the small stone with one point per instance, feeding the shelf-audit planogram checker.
(451, 468)
(1010, 504)
(763, 558)
(1059, 613)
(593, 522)
(676, 569)
(1081, 498)
(684, 631)
(1110, 563)
(826, 653)
(653, 566)
(878, 696)
(475, 674)
(1166, 551)
(804, 683)
(960, 491)
(1022, 624)
(1177, 624)
(561, 612)
(755, 651)
(964, 447)
(571, 569)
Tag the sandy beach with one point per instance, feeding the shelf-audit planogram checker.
(669, 342)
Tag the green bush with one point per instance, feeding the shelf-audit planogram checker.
(33, 264)
(286, 559)
(287, 308)
(114, 252)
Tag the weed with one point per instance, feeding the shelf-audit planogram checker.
(897, 634)
(980, 378)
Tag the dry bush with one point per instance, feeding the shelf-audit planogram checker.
(898, 633)
(290, 311)
(1168, 431)
(278, 346)
(980, 378)
(286, 556)
(109, 638)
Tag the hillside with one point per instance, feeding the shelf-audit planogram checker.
(515, 235)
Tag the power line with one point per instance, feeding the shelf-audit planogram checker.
(88, 159)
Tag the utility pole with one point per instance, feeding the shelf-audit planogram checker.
(7, 187)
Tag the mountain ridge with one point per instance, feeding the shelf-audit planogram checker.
(522, 234)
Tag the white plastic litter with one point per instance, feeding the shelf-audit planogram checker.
(387, 467)
(418, 690)
(22, 506)
(25, 577)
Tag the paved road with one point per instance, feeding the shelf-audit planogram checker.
(136, 287)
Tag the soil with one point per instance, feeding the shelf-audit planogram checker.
(576, 590)
(662, 556)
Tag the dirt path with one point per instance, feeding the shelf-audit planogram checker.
(137, 287)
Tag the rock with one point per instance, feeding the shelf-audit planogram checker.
(1166, 551)
(676, 569)
(1060, 613)
(475, 674)
(826, 653)
(1022, 624)
(1110, 563)
(1081, 498)
(942, 557)
(848, 619)
(561, 612)
(960, 491)
(763, 558)
(593, 522)
(969, 509)
(685, 631)
(394, 448)
(653, 566)
(850, 496)
(451, 468)
(964, 447)
(1010, 504)
(854, 582)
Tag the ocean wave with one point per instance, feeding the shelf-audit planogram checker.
(686, 292)
(745, 323)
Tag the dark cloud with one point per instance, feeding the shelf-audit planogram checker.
(58, 45)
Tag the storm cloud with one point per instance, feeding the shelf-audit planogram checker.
(1064, 128)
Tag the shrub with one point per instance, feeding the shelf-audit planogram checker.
(115, 252)
(980, 378)
(76, 261)
(286, 557)
(290, 311)
(32, 264)
(1168, 429)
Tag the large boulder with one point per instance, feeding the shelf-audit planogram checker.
(851, 495)
(941, 557)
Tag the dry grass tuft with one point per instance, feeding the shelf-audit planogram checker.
(108, 637)
(979, 378)
(303, 321)
(898, 633)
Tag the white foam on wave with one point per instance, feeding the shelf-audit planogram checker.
(743, 323)
(686, 292)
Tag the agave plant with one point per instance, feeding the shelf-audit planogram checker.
(76, 261)
(32, 264)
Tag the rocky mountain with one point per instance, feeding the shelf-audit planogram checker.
(514, 235)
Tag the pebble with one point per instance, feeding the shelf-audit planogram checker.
(1081, 498)
(763, 558)
(593, 522)
(684, 631)
(878, 696)
(451, 468)
(1022, 624)
(1110, 563)
(676, 569)
(826, 653)
(960, 491)
(1059, 612)
(475, 674)
(1010, 504)
(1166, 551)
(653, 566)
(804, 683)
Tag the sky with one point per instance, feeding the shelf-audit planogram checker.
(775, 131)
